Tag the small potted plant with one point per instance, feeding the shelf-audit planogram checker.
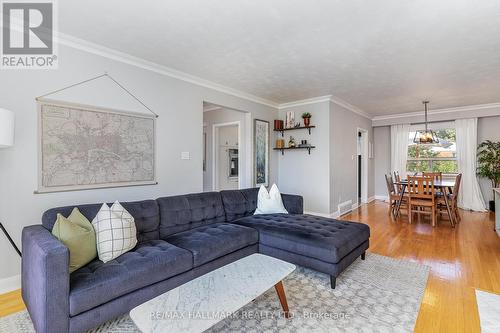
(488, 158)
(307, 118)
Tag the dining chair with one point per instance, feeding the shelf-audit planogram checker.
(436, 175)
(452, 199)
(394, 196)
(422, 196)
(397, 178)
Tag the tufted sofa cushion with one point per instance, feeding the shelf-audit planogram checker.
(184, 212)
(317, 237)
(146, 216)
(215, 240)
(150, 262)
(241, 203)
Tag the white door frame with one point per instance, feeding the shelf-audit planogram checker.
(364, 164)
(215, 153)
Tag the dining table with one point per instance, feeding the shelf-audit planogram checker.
(444, 186)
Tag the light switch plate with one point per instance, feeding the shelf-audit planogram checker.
(185, 155)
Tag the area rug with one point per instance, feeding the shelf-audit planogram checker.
(488, 305)
(379, 294)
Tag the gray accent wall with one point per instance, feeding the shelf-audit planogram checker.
(179, 129)
(328, 176)
(382, 151)
(302, 173)
(344, 126)
(488, 128)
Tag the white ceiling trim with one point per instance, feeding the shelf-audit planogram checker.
(106, 52)
(438, 111)
(350, 107)
(307, 101)
(326, 98)
(211, 108)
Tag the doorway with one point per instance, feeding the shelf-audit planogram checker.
(362, 166)
(226, 148)
(226, 153)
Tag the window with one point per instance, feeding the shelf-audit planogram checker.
(441, 157)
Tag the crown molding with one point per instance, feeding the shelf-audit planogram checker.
(306, 101)
(212, 108)
(350, 107)
(439, 111)
(93, 48)
(326, 98)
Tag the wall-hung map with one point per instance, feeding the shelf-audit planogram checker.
(84, 147)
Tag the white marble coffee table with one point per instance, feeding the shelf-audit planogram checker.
(201, 303)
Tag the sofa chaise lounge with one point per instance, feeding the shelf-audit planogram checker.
(179, 239)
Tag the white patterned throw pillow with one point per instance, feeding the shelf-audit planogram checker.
(270, 202)
(115, 231)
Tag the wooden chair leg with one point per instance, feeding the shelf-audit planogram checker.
(410, 213)
(434, 216)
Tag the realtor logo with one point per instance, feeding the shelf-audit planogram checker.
(27, 35)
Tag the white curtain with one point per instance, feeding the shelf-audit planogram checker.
(470, 196)
(399, 148)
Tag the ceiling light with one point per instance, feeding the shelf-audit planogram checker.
(427, 136)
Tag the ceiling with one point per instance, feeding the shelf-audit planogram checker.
(382, 56)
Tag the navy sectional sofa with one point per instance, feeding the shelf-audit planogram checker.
(179, 239)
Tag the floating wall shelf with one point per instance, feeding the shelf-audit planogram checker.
(288, 148)
(282, 130)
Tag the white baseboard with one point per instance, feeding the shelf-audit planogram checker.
(381, 197)
(372, 198)
(10, 284)
(319, 214)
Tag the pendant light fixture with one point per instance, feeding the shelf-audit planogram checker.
(427, 137)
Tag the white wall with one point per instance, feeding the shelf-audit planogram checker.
(344, 168)
(305, 174)
(225, 115)
(488, 128)
(178, 103)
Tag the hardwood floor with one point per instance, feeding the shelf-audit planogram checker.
(461, 260)
(11, 303)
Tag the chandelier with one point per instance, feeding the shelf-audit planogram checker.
(427, 136)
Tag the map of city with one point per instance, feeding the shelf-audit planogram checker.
(84, 148)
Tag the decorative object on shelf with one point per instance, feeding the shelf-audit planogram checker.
(290, 119)
(303, 143)
(99, 141)
(280, 143)
(307, 118)
(7, 140)
(261, 151)
(282, 131)
(278, 124)
(291, 142)
(297, 125)
(427, 136)
(488, 158)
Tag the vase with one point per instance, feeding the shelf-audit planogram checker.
(307, 121)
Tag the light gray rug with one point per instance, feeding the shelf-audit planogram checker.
(488, 305)
(379, 294)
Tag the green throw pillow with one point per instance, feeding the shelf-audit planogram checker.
(77, 233)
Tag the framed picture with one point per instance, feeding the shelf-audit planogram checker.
(261, 151)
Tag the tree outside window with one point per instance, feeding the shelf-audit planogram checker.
(435, 158)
